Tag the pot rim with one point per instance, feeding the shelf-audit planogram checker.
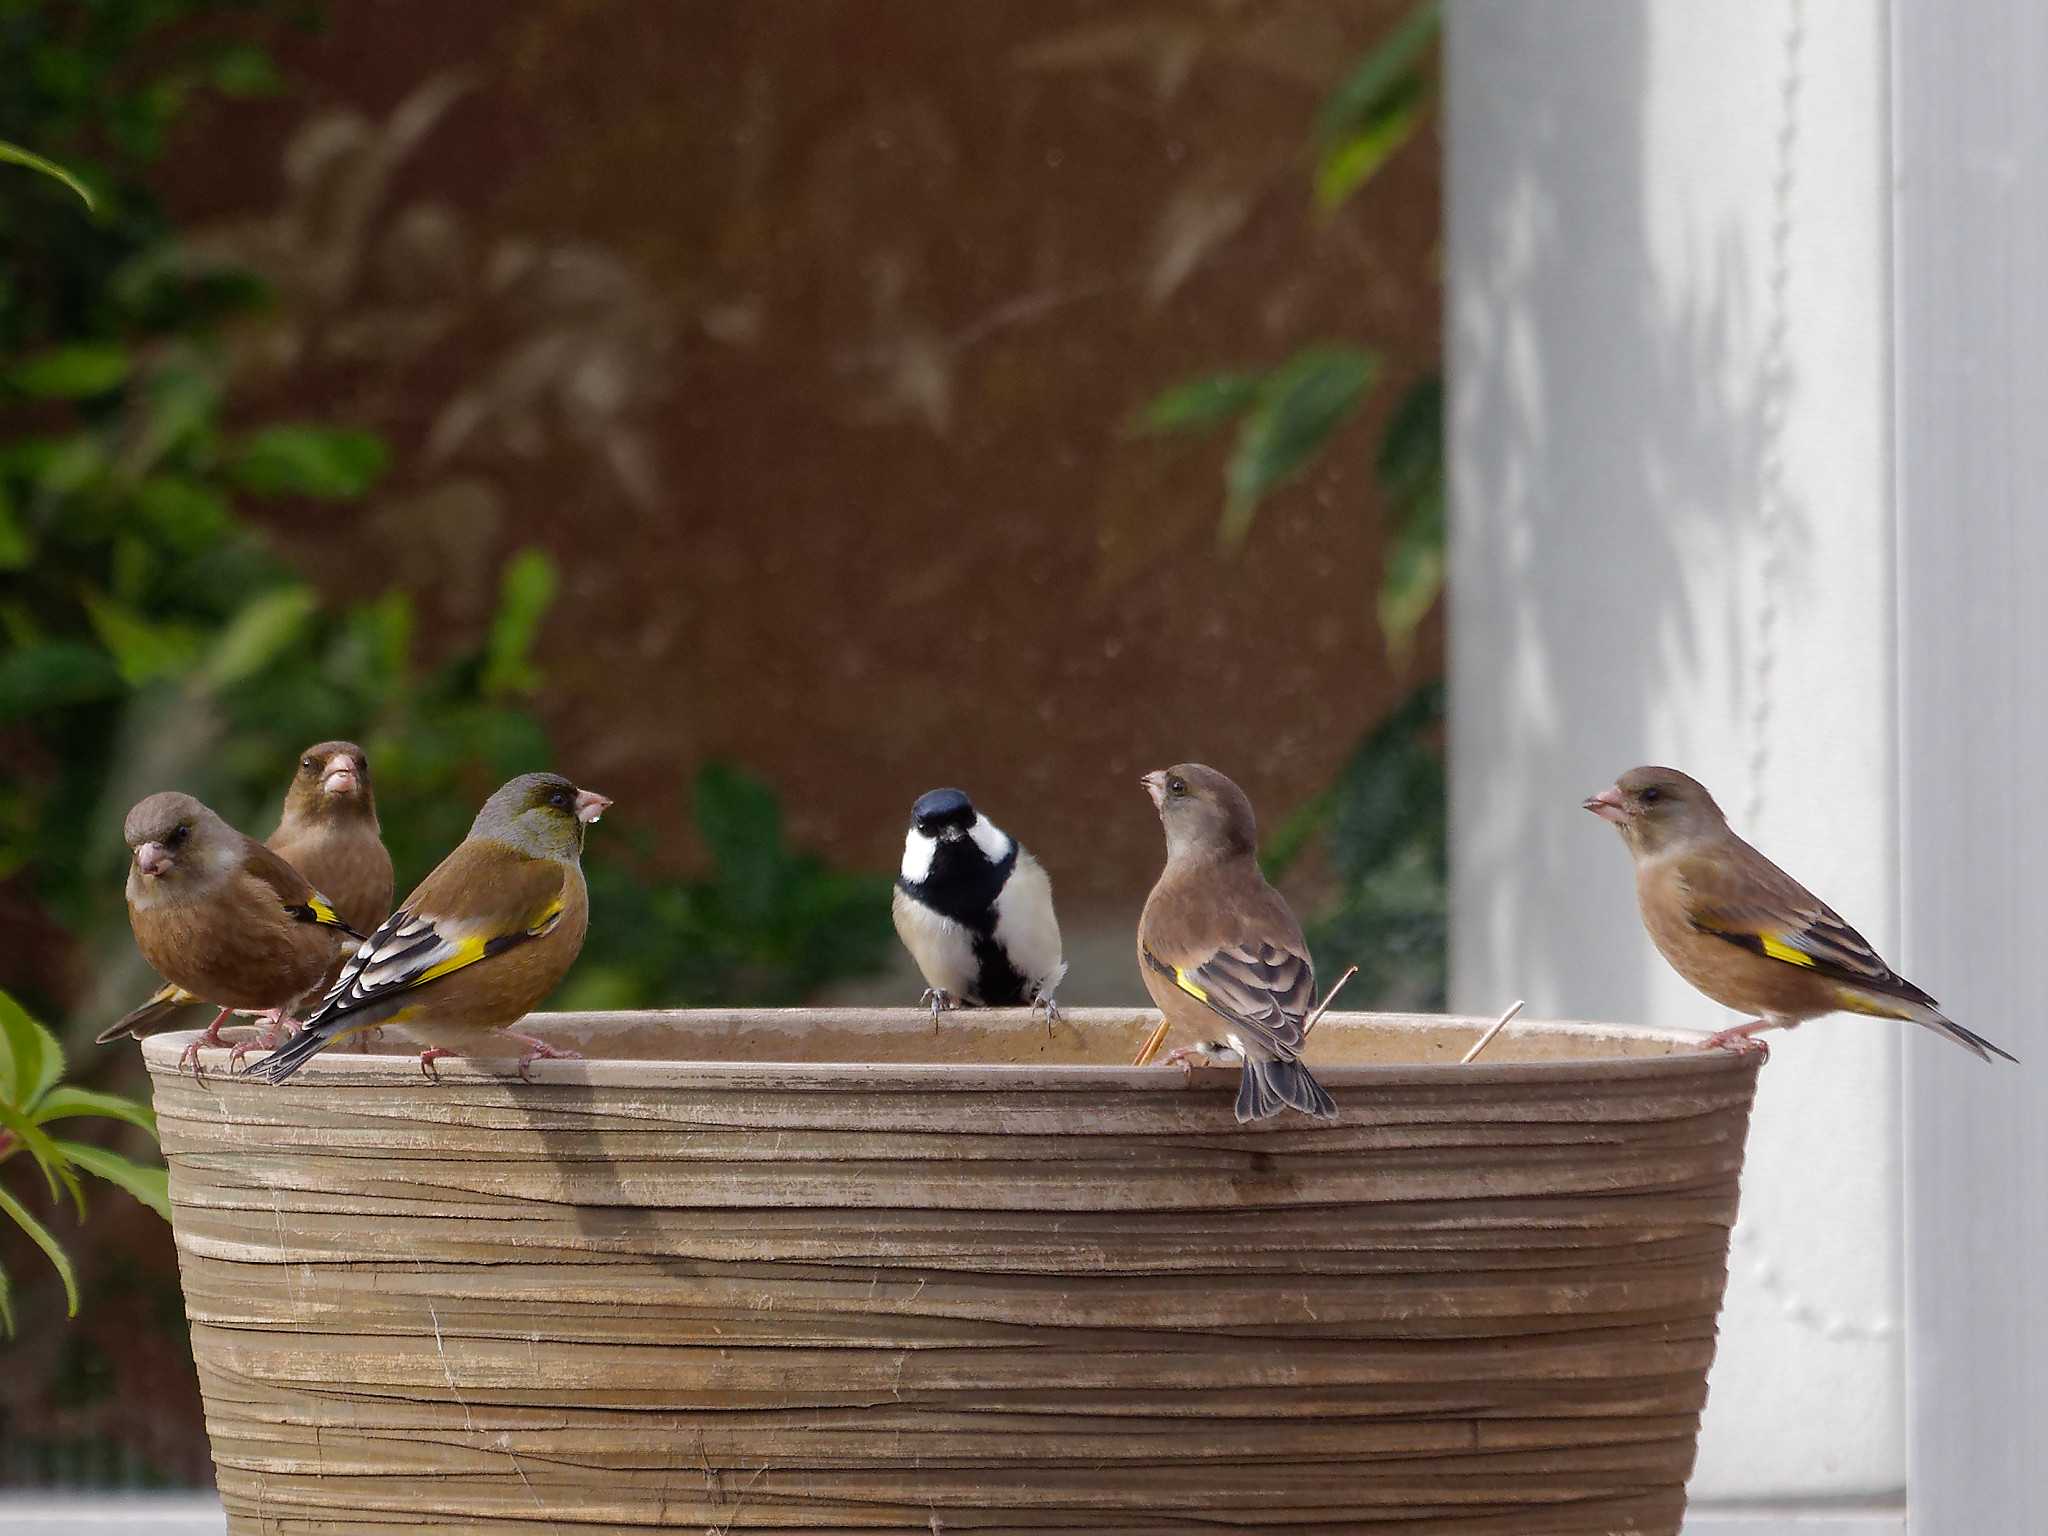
(1682, 1058)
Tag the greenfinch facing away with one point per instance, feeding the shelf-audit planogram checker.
(329, 834)
(485, 937)
(223, 918)
(1743, 931)
(1217, 942)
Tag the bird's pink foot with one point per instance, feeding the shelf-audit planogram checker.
(189, 1057)
(273, 1029)
(1741, 1039)
(540, 1050)
(429, 1056)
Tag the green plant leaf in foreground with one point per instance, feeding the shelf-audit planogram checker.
(151, 1186)
(14, 154)
(30, 1057)
(39, 1234)
(68, 1103)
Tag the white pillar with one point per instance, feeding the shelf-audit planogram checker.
(1672, 536)
(1971, 149)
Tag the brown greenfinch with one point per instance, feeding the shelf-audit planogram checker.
(1743, 931)
(329, 834)
(1217, 942)
(488, 935)
(223, 918)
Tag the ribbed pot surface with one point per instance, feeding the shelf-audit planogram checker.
(838, 1271)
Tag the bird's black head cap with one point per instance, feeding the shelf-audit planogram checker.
(940, 809)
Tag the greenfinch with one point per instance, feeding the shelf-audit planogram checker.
(329, 834)
(1743, 931)
(1216, 941)
(223, 918)
(479, 944)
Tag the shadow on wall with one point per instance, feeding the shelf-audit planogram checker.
(1651, 453)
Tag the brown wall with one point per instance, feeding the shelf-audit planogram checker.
(805, 334)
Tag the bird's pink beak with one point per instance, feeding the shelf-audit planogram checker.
(590, 805)
(340, 776)
(1607, 805)
(1155, 786)
(152, 858)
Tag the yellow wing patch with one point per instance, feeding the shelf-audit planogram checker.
(323, 912)
(467, 952)
(1180, 979)
(1778, 949)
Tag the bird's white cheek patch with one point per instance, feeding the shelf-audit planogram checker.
(991, 839)
(918, 849)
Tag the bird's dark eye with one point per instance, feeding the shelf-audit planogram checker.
(178, 835)
(1176, 786)
(559, 797)
(1652, 795)
(307, 762)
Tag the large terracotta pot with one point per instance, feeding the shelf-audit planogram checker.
(835, 1271)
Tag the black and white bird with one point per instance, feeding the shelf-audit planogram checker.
(975, 911)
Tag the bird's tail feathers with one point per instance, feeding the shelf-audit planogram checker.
(152, 1016)
(304, 1046)
(1926, 1015)
(1267, 1087)
(1969, 1040)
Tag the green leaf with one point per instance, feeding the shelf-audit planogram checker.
(1410, 470)
(17, 549)
(1301, 403)
(149, 1185)
(262, 630)
(6, 1305)
(52, 674)
(1409, 586)
(524, 596)
(30, 1057)
(1349, 162)
(74, 372)
(1199, 404)
(36, 1142)
(242, 70)
(67, 1103)
(141, 650)
(39, 1234)
(14, 154)
(1383, 74)
(741, 823)
(187, 514)
(327, 463)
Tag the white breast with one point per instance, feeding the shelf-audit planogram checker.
(1026, 927)
(942, 948)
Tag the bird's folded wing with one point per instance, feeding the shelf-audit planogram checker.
(1266, 990)
(1764, 910)
(426, 939)
(294, 892)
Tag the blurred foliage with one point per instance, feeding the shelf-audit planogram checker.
(32, 1100)
(148, 635)
(1381, 827)
(14, 154)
